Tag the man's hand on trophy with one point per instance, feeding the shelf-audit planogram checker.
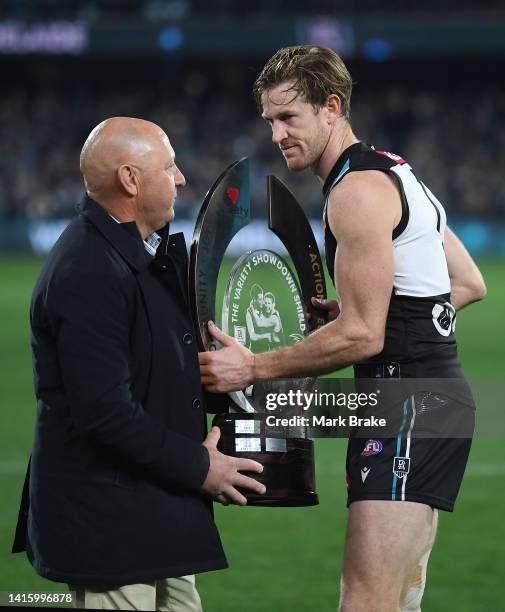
(225, 474)
(231, 368)
(330, 306)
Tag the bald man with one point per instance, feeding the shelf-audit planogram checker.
(118, 497)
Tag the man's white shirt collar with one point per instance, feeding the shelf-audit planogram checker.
(151, 243)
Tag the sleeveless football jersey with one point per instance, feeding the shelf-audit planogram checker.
(421, 321)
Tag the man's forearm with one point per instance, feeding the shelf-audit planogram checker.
(463, 295)
(328, 349)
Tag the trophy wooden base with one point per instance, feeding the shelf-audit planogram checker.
(288, 462)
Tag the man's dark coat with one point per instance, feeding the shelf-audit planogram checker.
(117, 461)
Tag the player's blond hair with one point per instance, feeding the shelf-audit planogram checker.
(317, 72)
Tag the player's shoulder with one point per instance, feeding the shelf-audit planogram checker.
(362, 203)
(363, 188)
(363, 181)
(363, 156)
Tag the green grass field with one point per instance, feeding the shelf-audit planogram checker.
(288, 559)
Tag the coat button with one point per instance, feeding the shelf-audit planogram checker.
(197, 403)
(187, 338)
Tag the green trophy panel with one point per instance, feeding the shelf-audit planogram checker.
(263, 306)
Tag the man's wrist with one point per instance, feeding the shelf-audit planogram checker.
(259, 370)
(254, 374)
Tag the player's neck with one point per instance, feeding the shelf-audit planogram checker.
(340, 139)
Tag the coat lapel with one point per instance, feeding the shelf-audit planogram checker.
(127, 243)
(171, 259)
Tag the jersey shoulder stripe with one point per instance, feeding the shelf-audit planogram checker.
(359, 156)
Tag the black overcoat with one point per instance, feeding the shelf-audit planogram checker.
(112, 496)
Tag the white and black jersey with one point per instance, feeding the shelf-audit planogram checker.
(419, 343)
(421, 319)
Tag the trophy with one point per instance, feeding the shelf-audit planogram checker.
(265, 307)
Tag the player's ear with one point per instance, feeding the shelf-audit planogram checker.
(333, 107)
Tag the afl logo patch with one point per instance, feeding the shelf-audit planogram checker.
(372, 447)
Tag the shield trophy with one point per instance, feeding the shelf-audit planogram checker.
(265, 307)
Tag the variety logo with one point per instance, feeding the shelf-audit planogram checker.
(233, 194)
(372, 447)
(364, 473)
(401, 466)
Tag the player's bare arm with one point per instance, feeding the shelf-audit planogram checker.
(467, 283)
(362, 212)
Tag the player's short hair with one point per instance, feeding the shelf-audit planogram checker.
(269, 295)
(317, 72)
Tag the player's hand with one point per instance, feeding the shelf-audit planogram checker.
(331, 307)
(224, 474)
(228, 369)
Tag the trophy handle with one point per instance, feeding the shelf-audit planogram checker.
(289, 223)
(225, 211)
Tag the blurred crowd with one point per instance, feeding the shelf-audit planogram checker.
(455, 142)
(180, 9)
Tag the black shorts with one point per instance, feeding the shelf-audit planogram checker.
(412, 466)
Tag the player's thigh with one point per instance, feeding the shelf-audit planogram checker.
(385, 540)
